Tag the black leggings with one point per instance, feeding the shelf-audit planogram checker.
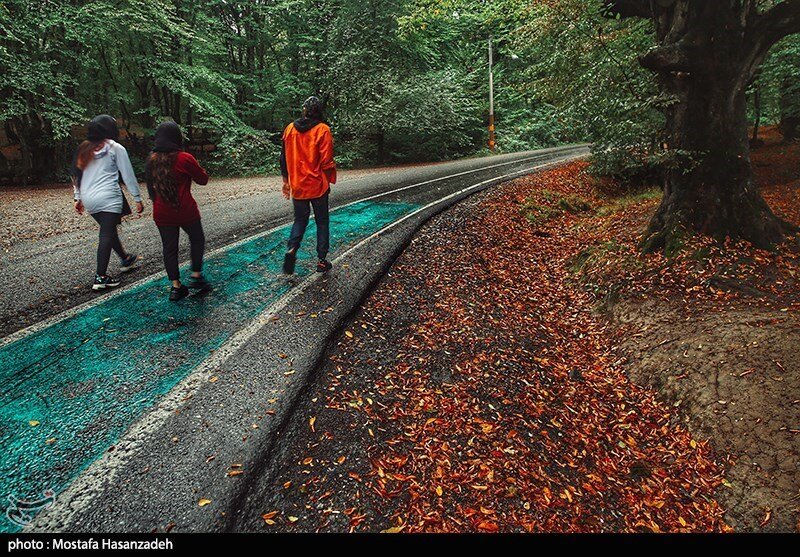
(109, 239)
(169, 240)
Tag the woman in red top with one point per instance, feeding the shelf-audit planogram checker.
(169, 173)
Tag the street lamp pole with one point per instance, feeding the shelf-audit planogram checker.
(491, 99)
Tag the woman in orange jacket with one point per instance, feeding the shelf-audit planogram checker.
(308, 170)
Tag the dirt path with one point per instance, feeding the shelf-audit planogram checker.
(478, 391)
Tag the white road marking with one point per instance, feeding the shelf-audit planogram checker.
(66, 314)
(103, 472)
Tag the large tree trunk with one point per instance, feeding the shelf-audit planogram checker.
(718, 196)
(707, 52)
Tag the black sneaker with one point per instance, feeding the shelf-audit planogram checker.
(323, 266)
(128, 263)
(105, 281)
(178, 293)
(200, 283)
(288, 261)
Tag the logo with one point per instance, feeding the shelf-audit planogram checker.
(21, 512)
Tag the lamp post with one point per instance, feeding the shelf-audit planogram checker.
(491, 99)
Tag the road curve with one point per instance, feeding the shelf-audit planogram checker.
(143, 408)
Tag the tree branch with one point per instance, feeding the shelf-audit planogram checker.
(677, 57)
(781, 20)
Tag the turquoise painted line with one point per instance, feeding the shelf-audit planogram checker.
(68, 391)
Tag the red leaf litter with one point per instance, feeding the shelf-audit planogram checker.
(479, 391)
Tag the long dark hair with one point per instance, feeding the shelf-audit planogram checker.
(160, 179)
(158, 171)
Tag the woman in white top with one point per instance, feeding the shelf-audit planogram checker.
(99, 162)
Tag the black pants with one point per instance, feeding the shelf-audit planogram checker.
(109, 239)
(302, 210)
(169, 240)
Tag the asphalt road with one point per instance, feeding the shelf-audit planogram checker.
(145, 408)
(41, 278)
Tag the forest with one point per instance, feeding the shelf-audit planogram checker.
(402, 80)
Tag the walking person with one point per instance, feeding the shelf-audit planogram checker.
(169, 173)
(99, 162)
(308, 170)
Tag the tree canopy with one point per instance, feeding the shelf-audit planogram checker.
(403, 80)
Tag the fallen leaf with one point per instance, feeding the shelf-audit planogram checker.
(203, 502)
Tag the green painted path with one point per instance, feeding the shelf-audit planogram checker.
(68, 391)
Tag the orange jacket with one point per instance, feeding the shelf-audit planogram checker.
(309, 161)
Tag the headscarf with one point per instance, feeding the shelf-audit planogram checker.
(168, 138)
(103, 127)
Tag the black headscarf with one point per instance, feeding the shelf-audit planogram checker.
(100, 128)
(103, 127)
(168, 138)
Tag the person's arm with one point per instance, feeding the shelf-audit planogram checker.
(284, 166)
(327, 163)
(128, 176)
(287, 188)
(76, 195)
(75, 175)
(193, 169)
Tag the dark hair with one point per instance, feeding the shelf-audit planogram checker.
(312, 108)
(160, 178)
(100, 128)
(168, 142)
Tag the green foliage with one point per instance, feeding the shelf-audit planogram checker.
(586, 66)
(403, 81)
(778, 86)
(546, 205)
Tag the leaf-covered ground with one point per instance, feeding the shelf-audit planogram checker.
(478, 390)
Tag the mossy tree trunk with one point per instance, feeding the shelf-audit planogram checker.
(707, 52)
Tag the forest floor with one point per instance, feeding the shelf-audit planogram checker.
(523, 368)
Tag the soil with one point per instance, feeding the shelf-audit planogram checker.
(733, 377)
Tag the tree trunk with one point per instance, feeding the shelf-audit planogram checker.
(757, 108)
(790, 110)
(704, 61)
(718, 195)
(38, 154)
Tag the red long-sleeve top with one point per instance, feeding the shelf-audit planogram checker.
(185, 170)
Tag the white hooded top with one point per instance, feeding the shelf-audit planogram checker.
(99, 184)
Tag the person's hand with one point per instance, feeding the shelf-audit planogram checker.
(78, 204)
(139, 207)
(286, 191)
